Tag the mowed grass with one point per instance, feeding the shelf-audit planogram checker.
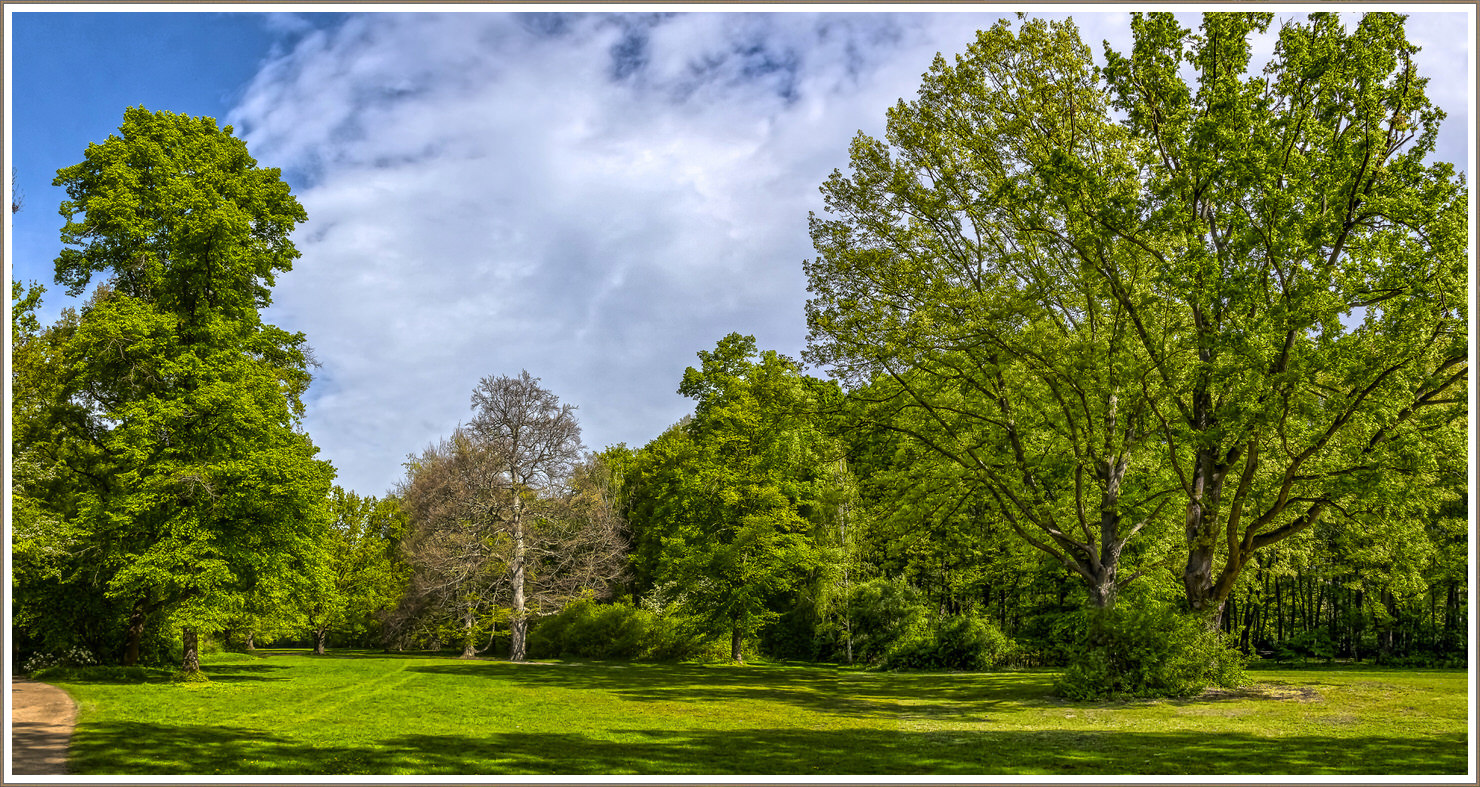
(371, 713)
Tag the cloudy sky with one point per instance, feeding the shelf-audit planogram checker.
(593, 197)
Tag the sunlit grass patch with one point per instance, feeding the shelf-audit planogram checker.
(366, 713)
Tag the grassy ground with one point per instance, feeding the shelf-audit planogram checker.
(368, 713)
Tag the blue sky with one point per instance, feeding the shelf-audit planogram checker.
(591, 197)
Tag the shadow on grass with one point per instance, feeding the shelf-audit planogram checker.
(819, 689)
(357, 654)
(241, 672)
(169, 749)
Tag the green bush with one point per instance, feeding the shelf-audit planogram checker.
(1315, 644)
(1148, 651)
(953, 643)
(586, 629)
(881, 612)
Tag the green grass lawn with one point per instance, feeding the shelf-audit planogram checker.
(369, 713)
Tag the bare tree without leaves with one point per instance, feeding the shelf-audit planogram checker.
(505, 505)
(452, 494)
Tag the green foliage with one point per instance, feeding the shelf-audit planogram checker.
(881, 612)
(587, 629)
(954, 642)
(165, 474)
(366, 575)
(1170, 300)
(1149, 650)
(728, 503)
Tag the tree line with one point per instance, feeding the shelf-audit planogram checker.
(1109, 353)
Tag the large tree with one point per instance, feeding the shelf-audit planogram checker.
(204, 481)
(723, 505)
(366, 576)
(1101, 291)
(506, 506)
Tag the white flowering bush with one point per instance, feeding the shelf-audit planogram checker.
(75, 656)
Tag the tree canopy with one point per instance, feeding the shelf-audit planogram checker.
(1098, 291)
(194, 479)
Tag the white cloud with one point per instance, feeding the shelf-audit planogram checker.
(593, 198)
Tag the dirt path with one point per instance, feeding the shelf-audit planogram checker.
(41, 719)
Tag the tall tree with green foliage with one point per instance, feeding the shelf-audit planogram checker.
(736, 535)
(1103, 292)
(962, 325)
(1318, 264)
(367, 577)
(206, 481)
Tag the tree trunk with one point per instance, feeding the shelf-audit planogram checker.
(735, 640)
(1253, 608)
(135, 634)
(1279, 612)
(469, 648)
(251, 641)
(848, 632)
(1102, 593)
(1202, 538)
(1111, 473)
(319, 635)
(518, 622)
(191, 660)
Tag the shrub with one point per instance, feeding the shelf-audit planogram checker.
(955, 642)
(76, 656)
(1148, 651)
(1312, 644)
(882, 612)
(99, 674)
(586, 629)
(614, 631)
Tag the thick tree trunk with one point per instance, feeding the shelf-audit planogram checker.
(735, 641)
(469, 647)
(1102, 593)
(320, 633)
(135, 634)
(1202, 539)
(251, 641)
(190, 662)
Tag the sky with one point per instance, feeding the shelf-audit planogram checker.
(591, 197)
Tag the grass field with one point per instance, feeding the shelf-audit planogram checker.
(370, 713)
